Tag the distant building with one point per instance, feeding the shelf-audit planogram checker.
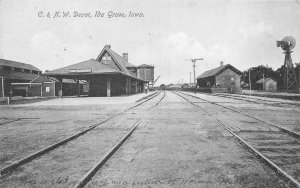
(225, 78)
(268, 84)
(186, 86)
(14, 76)
(174, 86)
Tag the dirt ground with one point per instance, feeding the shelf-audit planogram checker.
(27, 128)
(176, 145)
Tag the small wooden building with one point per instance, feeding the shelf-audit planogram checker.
(268, 84)
(16, 76)
(225, 78)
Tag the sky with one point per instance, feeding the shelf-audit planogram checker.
(240, 33)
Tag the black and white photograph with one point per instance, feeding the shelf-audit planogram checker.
(149, 93)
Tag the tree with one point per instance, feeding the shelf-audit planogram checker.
(256, 73)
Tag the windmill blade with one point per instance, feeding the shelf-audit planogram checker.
(287, 43)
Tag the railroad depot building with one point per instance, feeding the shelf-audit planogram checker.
(225, 78)
(110, 74)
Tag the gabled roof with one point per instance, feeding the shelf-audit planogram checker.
(216, 71)
(145, 66)
(262, 80)
(10, 63)
(18, 75)
(91, 66)
(119, 60)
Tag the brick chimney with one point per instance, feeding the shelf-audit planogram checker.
(221, 63)
(107, 46)
(125, 56)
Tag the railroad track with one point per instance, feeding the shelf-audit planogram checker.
(88, 176)
(277, 147)
(13, 120)
(255, 100)
(10, 168)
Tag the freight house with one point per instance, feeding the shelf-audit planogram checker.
(108, 75)
(225, 78)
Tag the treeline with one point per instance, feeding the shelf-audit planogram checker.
(256, 73)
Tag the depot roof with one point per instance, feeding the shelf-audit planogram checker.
(117, 65)
(90, 66)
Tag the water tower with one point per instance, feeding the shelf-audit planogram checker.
(146, 72)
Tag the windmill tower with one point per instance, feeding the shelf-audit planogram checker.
(290, 79)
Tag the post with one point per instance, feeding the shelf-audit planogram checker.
(78, 88)
(60, 91)
(190, 78)
(54, 88)
(27, 90)
(249, 79)
(129, 86)
(194, 61)
(108, 88)
(2, 86)
(126, 86)
(9, 95)
(41, 90)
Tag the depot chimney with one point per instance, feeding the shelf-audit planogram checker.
(221, 63)
(125, 56)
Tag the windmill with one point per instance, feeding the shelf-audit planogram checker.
(290, 79)
(194, 65)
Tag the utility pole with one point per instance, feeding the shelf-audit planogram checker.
(190, 78)
(194, 66)
(263, 82)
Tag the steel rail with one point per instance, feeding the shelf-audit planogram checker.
(39, 153)
(88, 176)
(292, 133)
(256, 152)
(160, 99)
(18, 119)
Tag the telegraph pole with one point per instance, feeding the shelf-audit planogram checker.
(250, 78)
(263, 82)
(194, 66)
